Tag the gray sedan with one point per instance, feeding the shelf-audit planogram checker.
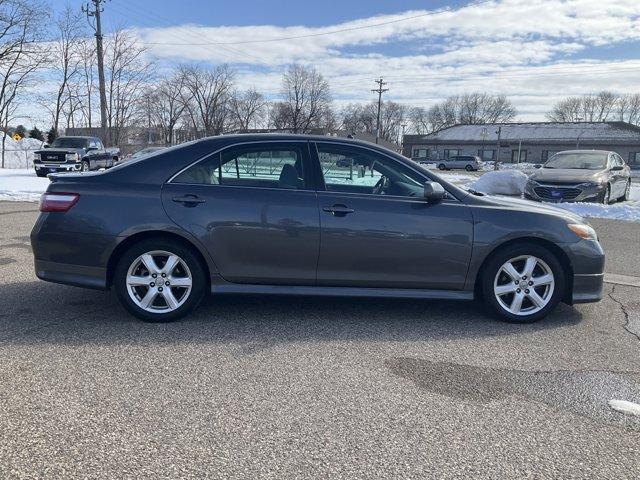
(305, 215)
(581, 176)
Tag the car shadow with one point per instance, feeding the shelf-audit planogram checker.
(39, 312)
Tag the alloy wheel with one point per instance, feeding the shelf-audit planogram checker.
(524, 285)
(159, 281)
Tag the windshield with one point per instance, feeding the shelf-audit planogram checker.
(68, 142)
(586, 161)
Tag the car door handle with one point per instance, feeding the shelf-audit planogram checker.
(188, 200)
(338, 210)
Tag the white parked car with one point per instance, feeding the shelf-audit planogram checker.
(467, 162)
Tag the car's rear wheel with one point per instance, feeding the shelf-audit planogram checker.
(523, 283)
(41, 174)
(85, 166)
(442, 166)
(468, 168)
(159, 280)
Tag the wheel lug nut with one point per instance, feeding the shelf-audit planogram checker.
(526, 291)
(159, 289)
(152, 284)
(164, 275)
(524, 278)
(166, 283)
(518, 291)
(154, 275)
(530, 283)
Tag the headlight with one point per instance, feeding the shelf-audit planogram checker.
(590, 185)
(583, 231)
(72, 157)
(36, 157)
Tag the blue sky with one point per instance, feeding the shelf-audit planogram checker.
(534, 51)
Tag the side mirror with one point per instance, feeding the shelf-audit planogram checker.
(537, 165)
(46, 145)
(434, 192)
(617, 168)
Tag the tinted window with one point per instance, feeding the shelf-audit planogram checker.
(350, 169)
(69, 142)
(252, 166)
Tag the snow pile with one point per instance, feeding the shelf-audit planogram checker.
(619, 211)
(21, 185)
(19, 154)
(501, 182)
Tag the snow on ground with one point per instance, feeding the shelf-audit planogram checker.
(21, 185)
(19, 154)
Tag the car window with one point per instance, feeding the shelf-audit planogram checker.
(351, 169)
(250, 166)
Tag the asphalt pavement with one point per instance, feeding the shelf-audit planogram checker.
(283, 387)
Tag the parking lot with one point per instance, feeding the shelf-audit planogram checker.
(278, 387)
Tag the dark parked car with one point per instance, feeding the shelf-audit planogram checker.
(286, 214)
(581, 176)
(73, 154)
(466, 162)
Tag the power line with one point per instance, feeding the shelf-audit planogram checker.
(331, 32)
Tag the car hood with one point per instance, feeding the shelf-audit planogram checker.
(518, 204)
(61, 150)
(567, 175)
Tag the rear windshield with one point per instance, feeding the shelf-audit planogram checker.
(581, 161)
(67, 142)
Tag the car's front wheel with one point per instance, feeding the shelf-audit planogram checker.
(442, 166)
(468, 168)
(159, 280)
(627, 192)
(523, 283)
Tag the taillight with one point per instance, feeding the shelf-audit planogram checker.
(57, 202)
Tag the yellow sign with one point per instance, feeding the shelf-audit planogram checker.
(17, 137)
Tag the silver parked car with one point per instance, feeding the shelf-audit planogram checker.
(466, 162)
(581, 176)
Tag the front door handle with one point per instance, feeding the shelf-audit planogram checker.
(188, 200)
(338, 210)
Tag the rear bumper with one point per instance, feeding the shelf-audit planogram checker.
(68, 274)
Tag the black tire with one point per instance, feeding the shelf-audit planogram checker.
(469, 168)
(85, 167)
(199, 280)
(442, 166)
(41, 174)
(495, 262)
(605, 198)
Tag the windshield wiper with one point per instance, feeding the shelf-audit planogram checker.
(475, 192)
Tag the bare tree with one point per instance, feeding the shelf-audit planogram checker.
(363, 118)
(598, 107)
(629, 108)
(206, 97)
(247, 108)
(126, 71)
(419, 120)
(20, 54)
(471, 108)
(166, 105)
(306, 99)
(65, 63)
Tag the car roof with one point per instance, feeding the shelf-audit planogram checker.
(603, 152)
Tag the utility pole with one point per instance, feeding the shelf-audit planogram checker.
(379, 91)
(495, 164)
(95, 11)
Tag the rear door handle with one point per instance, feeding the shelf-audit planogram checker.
(338, 210)
(188, 200)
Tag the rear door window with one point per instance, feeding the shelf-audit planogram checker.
(273, 165)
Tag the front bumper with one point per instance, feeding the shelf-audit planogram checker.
(57, 167)
(587, 260)
(548, 192)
